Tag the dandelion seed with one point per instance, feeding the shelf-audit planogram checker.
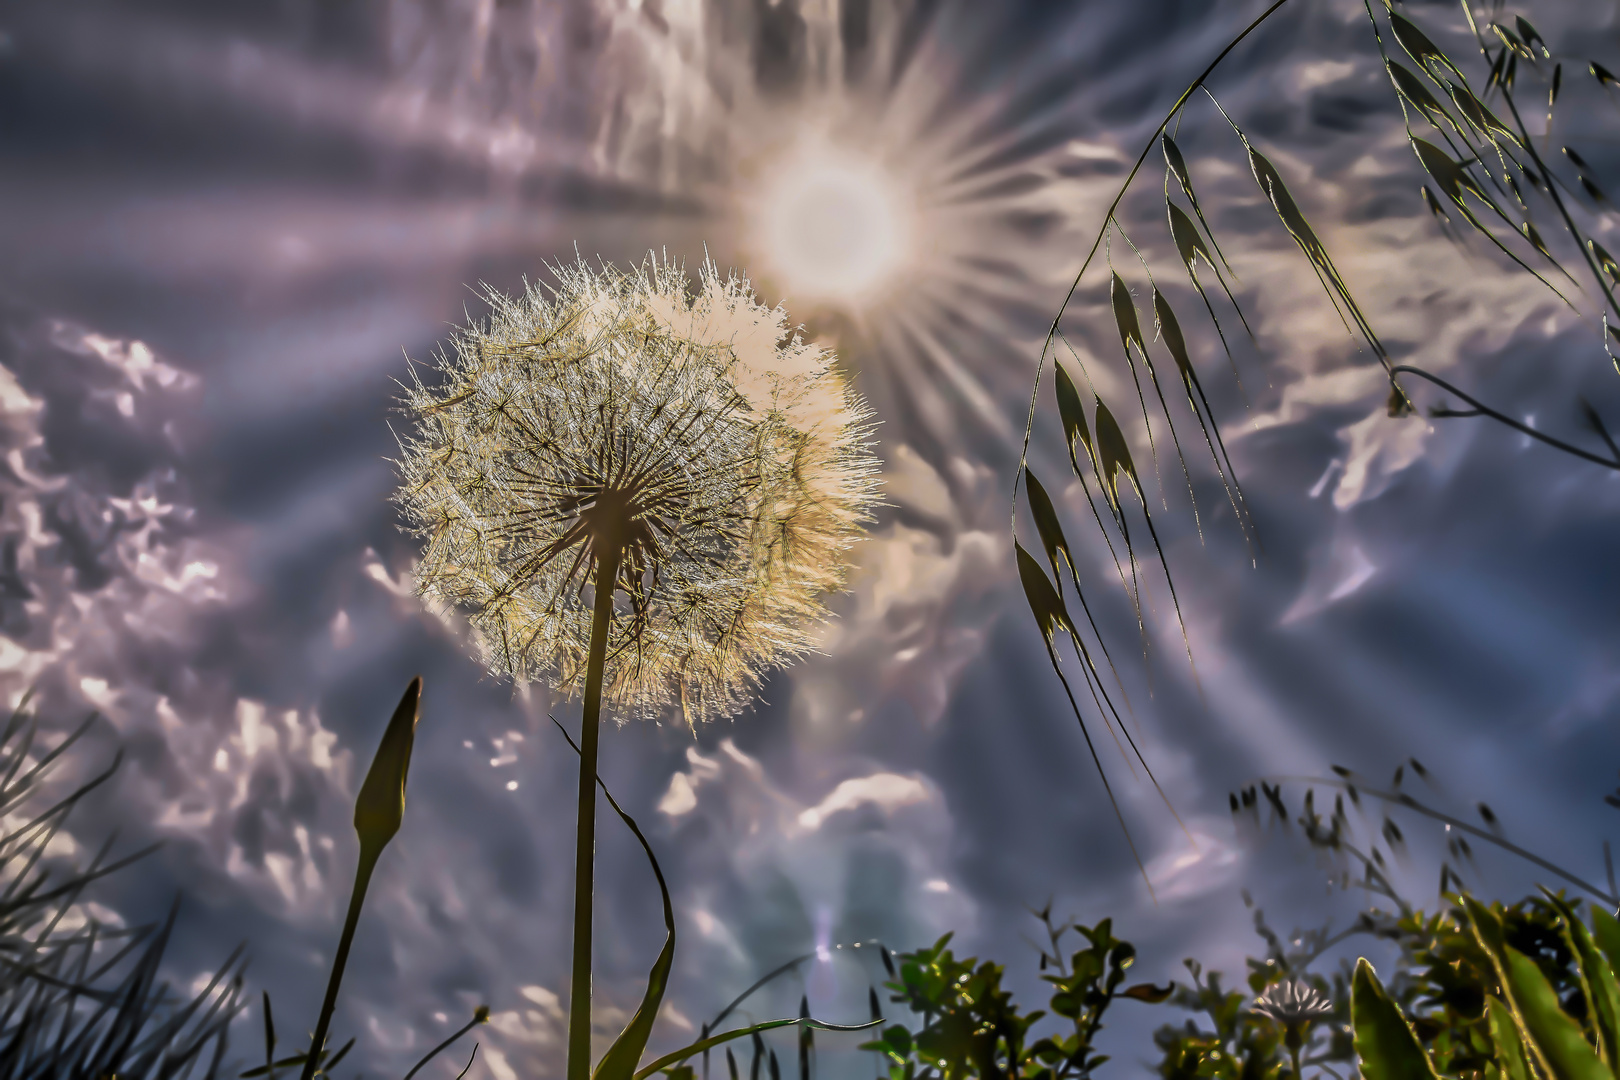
(726, 459)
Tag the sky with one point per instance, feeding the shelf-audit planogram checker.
(226, 228)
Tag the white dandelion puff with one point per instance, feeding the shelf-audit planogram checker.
(726, 459)
(639, 495)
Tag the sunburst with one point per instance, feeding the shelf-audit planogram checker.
(830, 225)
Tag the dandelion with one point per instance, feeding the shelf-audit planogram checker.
(710, 467)
(1293, 1006)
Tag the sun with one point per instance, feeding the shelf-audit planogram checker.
(830, 225)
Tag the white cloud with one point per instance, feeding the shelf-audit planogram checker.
(1185, 871)
(885, 790)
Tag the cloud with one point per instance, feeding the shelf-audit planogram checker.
(116, 594)
(1185, 872)
(884, 790)
(924, 589)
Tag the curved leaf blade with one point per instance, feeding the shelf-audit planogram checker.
(1555, 1032)
(1385, 1042)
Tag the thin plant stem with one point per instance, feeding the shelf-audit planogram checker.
(369, 854)
(480, 1017)
(579, 1001)
(1051, 334)
(1503, 418)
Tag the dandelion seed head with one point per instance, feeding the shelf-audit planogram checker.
(726, 458)
(1293, 1004)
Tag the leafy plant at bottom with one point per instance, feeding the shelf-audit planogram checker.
(1538, 997)
(972, 1028)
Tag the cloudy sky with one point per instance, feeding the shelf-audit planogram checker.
(225, 229)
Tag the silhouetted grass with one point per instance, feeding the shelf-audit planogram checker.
(79, 998)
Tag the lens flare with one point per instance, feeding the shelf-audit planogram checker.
(830, 226)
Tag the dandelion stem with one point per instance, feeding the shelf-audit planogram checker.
(579, 1001)
(369, 854)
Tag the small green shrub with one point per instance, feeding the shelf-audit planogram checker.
(971, 1027)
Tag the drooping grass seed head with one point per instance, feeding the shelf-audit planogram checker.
(721, 457)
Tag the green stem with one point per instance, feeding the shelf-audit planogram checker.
(579, 1000)
(357, 896)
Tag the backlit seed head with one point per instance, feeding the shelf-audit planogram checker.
(725, 457)
(1293, 1004)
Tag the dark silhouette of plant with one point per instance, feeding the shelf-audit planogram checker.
(971, 1027)
(79, 998)
(1488, 173)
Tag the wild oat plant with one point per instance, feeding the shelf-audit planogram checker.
(1470, 136)
(638, 495)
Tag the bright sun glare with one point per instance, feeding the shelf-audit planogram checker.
(830, 226)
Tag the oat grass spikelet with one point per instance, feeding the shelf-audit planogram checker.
(724, 458)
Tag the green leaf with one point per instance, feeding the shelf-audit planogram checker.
(1487, 931)
(675, 1056)
(1148, 992)
(269, 1032)
(1606, 935)
(619, 1063)
(1387, 1045)
(380, 806)
(327, 1066)
(1505, 1039)
(1598, 984)
(1556, 1033)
